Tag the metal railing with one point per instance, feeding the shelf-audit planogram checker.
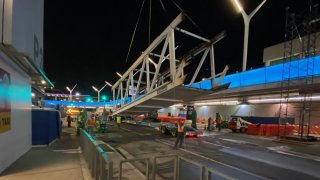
(101, 167)
(171, 166)
(146, 160)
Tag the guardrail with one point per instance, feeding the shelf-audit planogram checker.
(101, 167)
(171, 166)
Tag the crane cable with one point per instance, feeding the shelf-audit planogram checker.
(149, 22)
(188, 17)
(133, 35)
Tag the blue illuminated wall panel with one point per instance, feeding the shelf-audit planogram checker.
(269, 74)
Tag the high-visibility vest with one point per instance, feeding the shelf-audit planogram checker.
(118, 119)
(90, 122)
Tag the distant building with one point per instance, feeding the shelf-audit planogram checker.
(275, 54)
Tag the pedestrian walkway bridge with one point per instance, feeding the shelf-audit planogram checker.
(155, 87)
(269, 76)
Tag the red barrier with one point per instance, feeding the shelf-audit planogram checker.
(252, 129)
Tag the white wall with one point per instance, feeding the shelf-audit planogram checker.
(21, 24)
(23, 27)
(17, 141)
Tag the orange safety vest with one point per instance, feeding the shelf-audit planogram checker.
(180, 127)
(90, 122)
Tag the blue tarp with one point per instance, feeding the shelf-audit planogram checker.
(46, 126)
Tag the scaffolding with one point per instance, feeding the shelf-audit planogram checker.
(300, 42)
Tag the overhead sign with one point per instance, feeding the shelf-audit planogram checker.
(5, 104)
(132, 90)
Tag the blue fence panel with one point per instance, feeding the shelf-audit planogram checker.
(45, 126)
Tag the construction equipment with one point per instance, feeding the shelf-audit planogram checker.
(237, 124)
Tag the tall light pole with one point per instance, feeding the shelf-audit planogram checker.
(246, 19)
(100, 89)
(70, 90)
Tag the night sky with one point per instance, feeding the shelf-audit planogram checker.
(86, 42)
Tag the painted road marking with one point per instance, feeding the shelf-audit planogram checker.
(285, 150)
(215, 161)
(235, 141)
(215, 144)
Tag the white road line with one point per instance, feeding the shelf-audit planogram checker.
(235, 141)
(215, 161)
(295, 154)
(215, 144)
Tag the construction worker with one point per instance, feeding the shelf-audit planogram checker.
(218, 121)
(180, 135)
(91, 123)
(118, 118)
(110, 115)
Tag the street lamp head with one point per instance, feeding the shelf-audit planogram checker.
(108, 83)
(238, 5)
(95, 88)
(119, 74)
(68, 89)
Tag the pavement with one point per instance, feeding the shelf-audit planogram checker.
(62, 160)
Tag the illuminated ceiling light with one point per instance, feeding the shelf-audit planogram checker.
(217, 103)
(277, 100)
(177, 105)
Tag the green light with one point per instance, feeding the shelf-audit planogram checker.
(104, 98)
(88, 99)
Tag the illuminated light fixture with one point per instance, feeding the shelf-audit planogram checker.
(246, 19)
(217, 103)
(95, 88)
(119, 74)
(104, 98)
(239, 7)
(43, 82)
(177, 105)
(276, 100)
(70, 90)
(33, 95)
(108, 83)
(77, 94)
(98, 91)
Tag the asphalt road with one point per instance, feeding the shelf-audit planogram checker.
(235, 155)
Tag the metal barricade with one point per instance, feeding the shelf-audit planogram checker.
(191, 169)
(164, 167)
(213, 174)
(101, 167)
(146, 160)
(172, 167)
